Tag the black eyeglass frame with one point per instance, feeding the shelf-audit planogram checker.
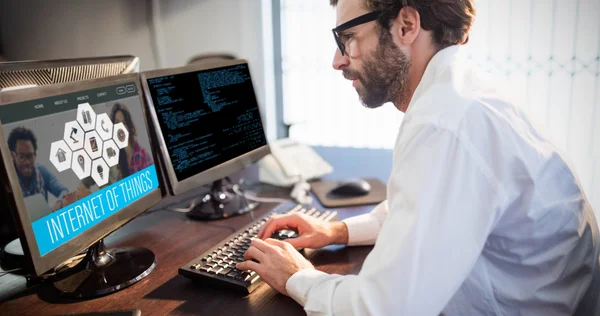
(365, 18)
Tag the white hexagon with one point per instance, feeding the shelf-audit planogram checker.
(121, 135)
(93, 145)
(100, 172)
(86, 117)
(110, 153)
(82, 164)
(73, 135)
(104, 126)
(60, 155)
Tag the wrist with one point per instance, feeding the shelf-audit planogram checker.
(339, 233)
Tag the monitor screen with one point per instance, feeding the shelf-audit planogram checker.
(207, 117)
(78, 160)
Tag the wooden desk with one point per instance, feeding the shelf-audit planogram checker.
(176, 240)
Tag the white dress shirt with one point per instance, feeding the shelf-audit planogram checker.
(483, 217)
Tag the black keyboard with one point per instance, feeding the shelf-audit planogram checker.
(217, 266)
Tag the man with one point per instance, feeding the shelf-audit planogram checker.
(483, 216)
(34, 178)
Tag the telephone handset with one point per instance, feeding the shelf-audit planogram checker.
(104, 128)
(291, 162)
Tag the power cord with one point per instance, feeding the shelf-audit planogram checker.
(236, 190)
(3, 273)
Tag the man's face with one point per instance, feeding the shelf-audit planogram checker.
(24, 157)
(376, 65)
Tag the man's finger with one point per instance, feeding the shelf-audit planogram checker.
(248, 265)
(274, 242)
(265, 225)
(274, 224)
(277, 223)
(254, 253)
(260, 245)
(299, 242)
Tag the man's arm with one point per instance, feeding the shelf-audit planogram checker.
(364, 229)
(52, 184)
(314, 233)
(443, 205)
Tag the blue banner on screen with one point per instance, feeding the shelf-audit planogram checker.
(54, 230)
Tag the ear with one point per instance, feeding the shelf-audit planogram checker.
(407, 25)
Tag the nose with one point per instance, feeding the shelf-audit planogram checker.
(340, 61)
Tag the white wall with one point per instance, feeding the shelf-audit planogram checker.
(42, 29)
(39, 29)
(191, 27)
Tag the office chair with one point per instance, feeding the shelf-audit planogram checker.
(210, 57)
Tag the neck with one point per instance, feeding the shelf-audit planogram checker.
(420, 58)
(26, 180)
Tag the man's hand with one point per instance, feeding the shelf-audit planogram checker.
(57, 206)
(313, 233)
(277, 262)
(82, 191)
(69, 198)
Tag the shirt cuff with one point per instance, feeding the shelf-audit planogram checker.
(362, 230)
(300, 283)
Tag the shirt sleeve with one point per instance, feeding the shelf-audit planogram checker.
(363, 229)
(52, 185)
(443, 202)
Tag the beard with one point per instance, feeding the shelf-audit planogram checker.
(385, 75)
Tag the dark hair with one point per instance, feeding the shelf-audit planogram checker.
(118, 107)
(449, 20)
(21, 133)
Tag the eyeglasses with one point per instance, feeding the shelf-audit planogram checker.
(371, 16)
(25, 157)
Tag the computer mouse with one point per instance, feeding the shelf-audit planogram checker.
(351, 188)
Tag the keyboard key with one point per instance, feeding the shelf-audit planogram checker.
(245, 276)
(224, 271)
(240, 277)
(233, 274)
(223, 259)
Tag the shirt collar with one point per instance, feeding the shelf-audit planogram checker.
(438, 63)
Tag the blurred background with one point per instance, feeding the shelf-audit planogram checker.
(547, 52)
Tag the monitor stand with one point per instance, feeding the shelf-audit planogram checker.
(103, 271)
(220, 203)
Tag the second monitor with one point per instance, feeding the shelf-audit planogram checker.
(208, 125)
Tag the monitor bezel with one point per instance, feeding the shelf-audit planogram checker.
(71, 62)
(217, 172)
(41, 264)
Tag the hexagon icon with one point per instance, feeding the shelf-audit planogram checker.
(110, 153)
(121, 135)
(73, 135)
(60, 155)
(100, 172)
(93, 145)
(104, 127)
(86, 117)
(82, 164)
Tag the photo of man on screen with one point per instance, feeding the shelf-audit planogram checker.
(33, 177)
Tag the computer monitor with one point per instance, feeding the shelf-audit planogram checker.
(77, 164)
(208, 124)
(46, 72)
